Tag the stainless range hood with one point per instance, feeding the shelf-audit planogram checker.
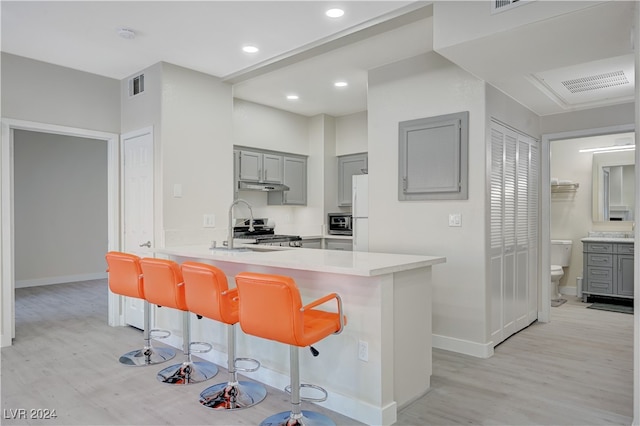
(257, 186)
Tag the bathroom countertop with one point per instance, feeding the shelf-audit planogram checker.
(609, 237)
(607, 240)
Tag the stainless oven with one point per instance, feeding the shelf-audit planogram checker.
(340, 224)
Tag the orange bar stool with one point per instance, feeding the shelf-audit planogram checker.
(125, 278)
(207, 294)
(164, 286)
(271, 308)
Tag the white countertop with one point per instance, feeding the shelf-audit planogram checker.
(327, 237)
(331, 261)
(607, 240)
(609, 237)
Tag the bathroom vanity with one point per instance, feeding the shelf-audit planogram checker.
(608, 266)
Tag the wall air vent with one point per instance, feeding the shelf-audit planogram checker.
(502, 5)
(136, 85)
(594, 82)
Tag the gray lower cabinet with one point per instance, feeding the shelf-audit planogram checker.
(345, 245)
(608, 269)
(313, 243)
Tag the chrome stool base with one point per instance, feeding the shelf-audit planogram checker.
(307, 418)
(232, 396)
(187, 373)
(148, 356)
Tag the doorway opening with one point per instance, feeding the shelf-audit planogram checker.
(7, 191)
(580, 167)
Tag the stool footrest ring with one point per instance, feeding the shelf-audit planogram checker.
(157, 333)
(308, 398)
(206, 347)
(246, 369)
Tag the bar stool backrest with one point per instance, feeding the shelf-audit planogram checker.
(270, 307)
(163, 283)
(207, 292)
(125, 274)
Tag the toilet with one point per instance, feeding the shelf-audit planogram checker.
(560, 258)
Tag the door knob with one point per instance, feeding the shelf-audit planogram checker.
(147, 244)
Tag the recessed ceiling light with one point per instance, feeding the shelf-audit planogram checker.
(341, 84)
(334, 13)
(292, 97)
(127, 33)
(250, 49)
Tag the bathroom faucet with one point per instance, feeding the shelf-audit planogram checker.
(251, 228)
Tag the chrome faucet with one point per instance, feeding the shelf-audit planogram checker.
(251, 228)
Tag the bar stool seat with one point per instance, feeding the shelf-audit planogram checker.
(125, 279)
(271, 308)
(207, 294)
(164, 286)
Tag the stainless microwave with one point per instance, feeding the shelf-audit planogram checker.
(340, 224)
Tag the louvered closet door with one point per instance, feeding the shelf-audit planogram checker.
(533, 204)
(496, 234)
(521, 299)
(513, 222)
(509, 235)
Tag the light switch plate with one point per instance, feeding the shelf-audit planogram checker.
(177, 190)
(455, 219)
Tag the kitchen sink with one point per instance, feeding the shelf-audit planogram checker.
(243, 249)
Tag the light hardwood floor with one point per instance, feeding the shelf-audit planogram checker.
(575, 370)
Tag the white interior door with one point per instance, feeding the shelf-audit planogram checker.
(137, 207)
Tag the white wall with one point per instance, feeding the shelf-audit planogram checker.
(45, 93)
(197, 153)
(60, 190)
(424, 86)
(571, 213)
(351, 133)
(260, 126)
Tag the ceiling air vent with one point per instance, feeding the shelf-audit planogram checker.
(594, 82)
(136, 85)
(600, 82)
(502, 5)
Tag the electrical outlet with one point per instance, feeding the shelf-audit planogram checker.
(455, 219)
(363, 351)
(209, 221)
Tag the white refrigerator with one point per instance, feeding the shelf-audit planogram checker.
(360, 212)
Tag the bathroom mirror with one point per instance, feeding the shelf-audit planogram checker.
(613, 186)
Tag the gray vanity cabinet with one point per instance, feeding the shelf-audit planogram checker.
(625, 269)
(608, 269)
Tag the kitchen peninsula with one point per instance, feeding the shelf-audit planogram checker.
(382, 359)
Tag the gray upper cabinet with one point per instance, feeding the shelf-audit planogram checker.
(295, 177)
(433, 157)
(260, 167)
(348, 166)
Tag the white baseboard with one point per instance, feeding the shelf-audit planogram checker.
(60, 280)
(568, 290)
(466, 347)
